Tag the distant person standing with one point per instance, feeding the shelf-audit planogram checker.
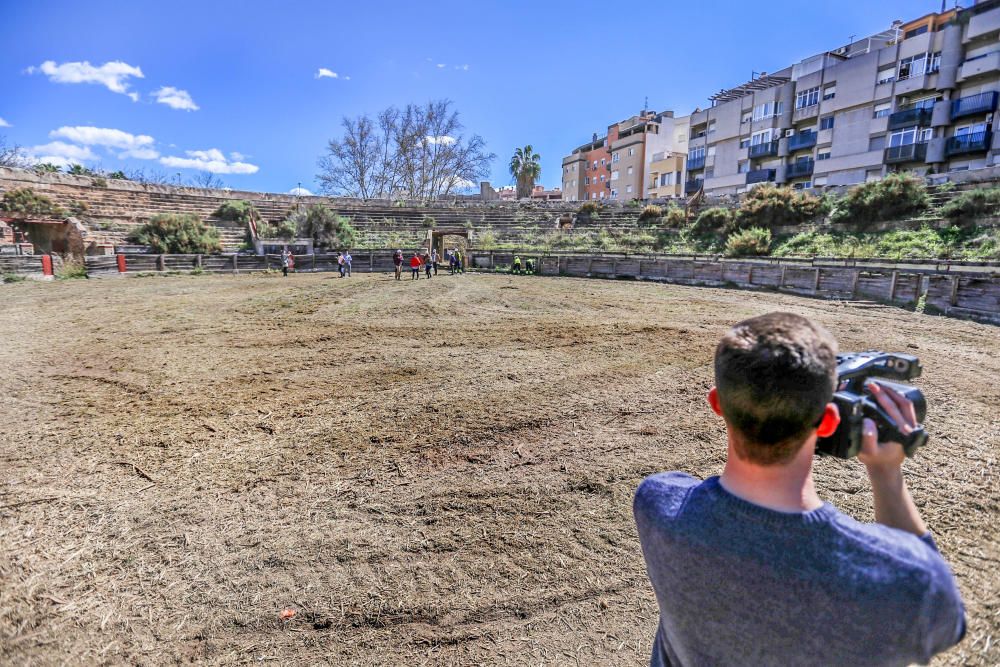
(427, 265)
(397, 260)
(451, 262)
(347, 262)
(340, 263)
(287, 261)
(434, 260)
(415, 267)
(459, 261)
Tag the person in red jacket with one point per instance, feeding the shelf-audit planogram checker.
(415, 267)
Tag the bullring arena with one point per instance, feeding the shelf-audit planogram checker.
(424, 472)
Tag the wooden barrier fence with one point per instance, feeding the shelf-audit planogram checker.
(960, 289)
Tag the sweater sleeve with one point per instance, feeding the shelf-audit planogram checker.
(942, 615)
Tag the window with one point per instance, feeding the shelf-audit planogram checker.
(615, 157)
(696, 154)
(924, 63)
(681, 138)
(916, 31)
(614, 175)
(710, 172)
(595, 164)
(876, 143)
(762, 137)
(614, 194)
(829, 92)
(803, 186)
(825, 155)
(630, 171)
(631, 152)
(819, 181)
(628, 188)
(711, 126)
(667, 179)
(909, 135)
(602, 178)
(883, 110)
(744, 142)
(886, 75)
(925, 103)
(743, 167)
(933, 62)
(710, 152)
(807, 98)
(586, 180)
(970, 129)
(767, 110)
(746, 117)
(826, 123)
(603, 162)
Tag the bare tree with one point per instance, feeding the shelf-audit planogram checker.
(207, 180)
(152, 177)
(417, 152)
(13, 157)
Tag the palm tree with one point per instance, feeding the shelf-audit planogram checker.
(525, 168)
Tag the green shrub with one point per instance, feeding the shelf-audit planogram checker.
(749, 242)
(280, 230)
(675, 217)
(99, 182)
(10, 278)
(894, 196)
(24, 200)
(711, 221)
(177, 233)
(651, 214)
(487, 240)
(972, 204)
(77, 208)
(770, 206)
(589, 208)
(324, 227)
(237, 210)
(428, 221)
(70, 270)
(908, 243)
(808, 244)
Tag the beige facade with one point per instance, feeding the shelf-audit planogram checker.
(666, 153)
(628, 155)
(574, 166)
(919, 97)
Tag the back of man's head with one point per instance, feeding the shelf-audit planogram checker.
(774, 374)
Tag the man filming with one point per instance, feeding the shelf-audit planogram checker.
(752, 568)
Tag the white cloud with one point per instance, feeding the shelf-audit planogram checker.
(444, 140)
(112, 75)
(300, 192)
(324, 73)
(175, 98)
(60, 153)
(102, 136)
(211, 160)
(458, 183)
(236, 156)
(4, 123)
(441, 65)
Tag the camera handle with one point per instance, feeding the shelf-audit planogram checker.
(888, 429)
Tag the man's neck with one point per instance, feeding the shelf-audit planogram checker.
(786, 488)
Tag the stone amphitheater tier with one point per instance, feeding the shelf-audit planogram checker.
(112, 208)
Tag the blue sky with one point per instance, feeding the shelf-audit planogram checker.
(545, 73)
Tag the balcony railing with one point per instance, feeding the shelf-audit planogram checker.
(909, 117)
(974, 142)
(693, 186)
(800, 168)
(760, 176)
(768, 149)
(906, 153)
(801, 141)
(696, 162)
(974, 105)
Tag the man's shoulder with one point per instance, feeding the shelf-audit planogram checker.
(663, 494)
(904, 550)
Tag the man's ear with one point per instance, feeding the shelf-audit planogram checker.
(830, 421)
(713, 400)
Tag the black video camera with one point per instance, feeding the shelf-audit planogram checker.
(855, 402)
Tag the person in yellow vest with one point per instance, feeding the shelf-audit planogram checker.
(516, 268)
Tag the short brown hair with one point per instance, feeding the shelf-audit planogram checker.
(774, 374)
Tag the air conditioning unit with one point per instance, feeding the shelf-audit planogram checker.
(789, 133)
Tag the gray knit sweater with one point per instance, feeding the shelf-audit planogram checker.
(740, 584)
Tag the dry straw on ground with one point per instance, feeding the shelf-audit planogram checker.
(422, 472)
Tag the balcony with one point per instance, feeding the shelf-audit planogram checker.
(760, 176)
(695, 163)
(909, 117)
(986, 64)
(768, 149)
(801, 141)
(799, 169)
(907, 153)
(692, 187)
(974, 105)
(974, 142)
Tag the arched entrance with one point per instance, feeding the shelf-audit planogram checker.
(448, 239)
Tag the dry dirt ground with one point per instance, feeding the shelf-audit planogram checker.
(433, 472)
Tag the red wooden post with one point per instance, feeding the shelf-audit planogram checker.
(121, 263)
(46, 265)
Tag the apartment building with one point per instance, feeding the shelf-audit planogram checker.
(586, 171)
(627, 141)
(666, 154)
(920, 97)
